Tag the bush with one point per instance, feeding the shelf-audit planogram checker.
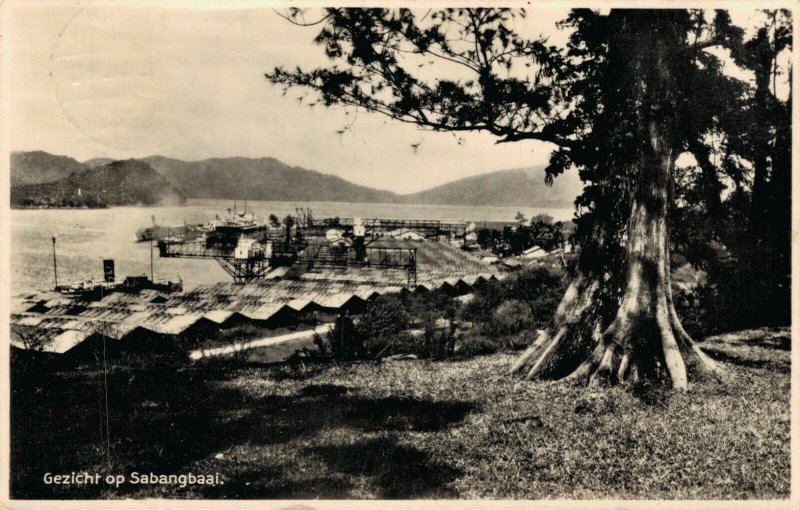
(341, 342)
(505, 313)
(381, 328)
(733, 298)
(400, 343)
(540, 289)
(438, 342)
(487, 298)
(476, 343)
(420, 305)
(383, 317)
(216, 337)
(508, 318)
(379, 331)
(693, 318)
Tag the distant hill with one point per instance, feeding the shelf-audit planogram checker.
(270, 179)
(128, 182)
(38, 166)
(261, 179)
(95, 162)
(523, 187)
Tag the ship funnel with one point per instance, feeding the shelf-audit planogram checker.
(108, 270)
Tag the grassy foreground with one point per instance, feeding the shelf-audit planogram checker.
(407, 429)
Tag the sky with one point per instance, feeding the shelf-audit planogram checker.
(189, 83)
(95, 81)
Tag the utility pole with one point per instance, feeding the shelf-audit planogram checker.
(152, 279)
(55, 264)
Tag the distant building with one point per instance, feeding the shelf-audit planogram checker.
(248, 248)
(511, 263)
(535, 252)
(405, 234)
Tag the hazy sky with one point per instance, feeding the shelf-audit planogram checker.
(189, 83)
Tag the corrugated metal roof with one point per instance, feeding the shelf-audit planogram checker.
(28, 321)
(119, 313)
(66, 341)
(218, 316)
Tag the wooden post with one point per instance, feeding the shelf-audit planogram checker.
(152, 278)
(55, 264)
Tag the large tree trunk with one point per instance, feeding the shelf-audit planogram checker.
(644, 340)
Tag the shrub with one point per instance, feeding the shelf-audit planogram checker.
(228, 337)
(383, 317)
(505, 313)
(693, 317)
(400, 343)
(540, 289)
(342, 341)
(379, 331)
(438, 342)
(382, 326)
(729, 300)
(419, 305)
(476, 343)
(508, 318)
(486, 299)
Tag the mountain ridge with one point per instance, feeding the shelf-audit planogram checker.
(521, 187)
(126, 182)
(35, 167)
(267, 178)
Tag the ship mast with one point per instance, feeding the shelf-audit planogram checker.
(55, 264)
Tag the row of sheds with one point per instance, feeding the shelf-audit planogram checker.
(151, 319)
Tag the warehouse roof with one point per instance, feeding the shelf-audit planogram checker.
(64, 322)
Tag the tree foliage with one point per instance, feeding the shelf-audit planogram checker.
(732, 212)
(630, 91)
(378, 53)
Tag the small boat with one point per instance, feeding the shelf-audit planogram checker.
(146, 234)
(84, 287)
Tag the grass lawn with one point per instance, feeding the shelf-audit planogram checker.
(407, 429)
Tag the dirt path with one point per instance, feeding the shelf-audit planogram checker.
(262, 342)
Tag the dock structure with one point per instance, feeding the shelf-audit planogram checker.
(429, 229)
(248, 261)
(320, 256)
(375, 228)
(310, 243)
(146, 319)
(280, 279)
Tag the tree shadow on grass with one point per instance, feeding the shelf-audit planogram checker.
(758, 349)
(171, 420)
(274, 419)
(396, 471)
(281, 481)
(748, 361)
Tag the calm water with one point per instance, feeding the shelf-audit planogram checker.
(85, 237)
